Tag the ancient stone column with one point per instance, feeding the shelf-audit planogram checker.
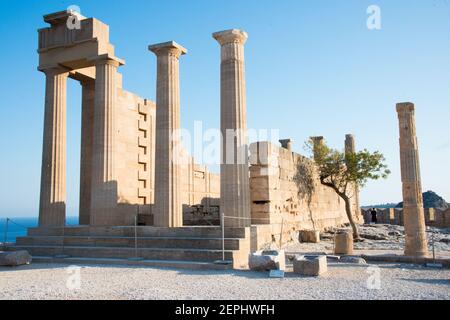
(234, 169)
(52, 205)
(413, 213)
(350, 147)
(286, 144)
(103, 183)
(87, 133)
(168, 209)
(317, 141)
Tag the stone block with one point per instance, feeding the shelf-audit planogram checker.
(310, 266)
(267, 260)
(14, 258)
(352, 259)
(344, 243)
(309, 236)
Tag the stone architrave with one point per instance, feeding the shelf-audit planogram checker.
(52, 205)
(413, 212)
(168, 210)
(234, 168)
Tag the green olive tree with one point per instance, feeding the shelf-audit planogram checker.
(345, 172)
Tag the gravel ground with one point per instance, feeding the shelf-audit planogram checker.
(378, 237)
(343, 281)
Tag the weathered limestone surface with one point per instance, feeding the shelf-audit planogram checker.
(343, 243)
(309, 236)
(14, 258)
(87, 133)
(350, 147)
(234, 171)
(168, 202)
(118, 151)
(52, 207)
(267, 260)
(310, 266)
(280, 198)
(104, 183)
(414, 220)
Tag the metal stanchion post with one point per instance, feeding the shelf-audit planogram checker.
(136, 255)
(223, 236)
(6, 233)
(281, 233)
(135, 237)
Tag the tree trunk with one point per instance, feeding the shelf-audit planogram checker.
(348, 209)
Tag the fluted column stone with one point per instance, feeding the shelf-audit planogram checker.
(52, 205)
(413, 212)
(104, 183)
(86, 152)
(350, 147)
(234, 169)
(168, 208)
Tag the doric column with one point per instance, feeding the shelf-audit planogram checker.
(317, 142)
(52, 206)
(104, 183)
(413, 213)
(168, 210)
(87, 134)
(350, 147)
(234, 168)
(286, 144)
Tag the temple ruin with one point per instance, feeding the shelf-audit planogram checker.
(130, 174)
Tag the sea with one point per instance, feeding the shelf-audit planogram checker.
(17, 227)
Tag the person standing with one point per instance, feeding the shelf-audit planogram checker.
(373, 212)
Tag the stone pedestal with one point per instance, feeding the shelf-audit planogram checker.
(310, 266)
(343, 243)
(168, 209)
(52, 205)
(104, 183)
(234, 169)
(413, 212)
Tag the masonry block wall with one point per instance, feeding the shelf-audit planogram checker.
(434, 217)
(136, 169)
(277, 195)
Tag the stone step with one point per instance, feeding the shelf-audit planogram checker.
(129, 242)
(205, 255)
(192, 265)
(142, 231)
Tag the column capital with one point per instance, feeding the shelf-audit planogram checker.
(167, 48)
(349, 136)
(54, 70)
(317, 139)
(286, 143)
(231, 36)
(106, 59)
(405, 107)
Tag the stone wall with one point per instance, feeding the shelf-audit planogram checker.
(433, 217)
(201, 195)
(282, 197)
(135, 168)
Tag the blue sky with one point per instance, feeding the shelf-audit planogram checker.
(313, 68)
